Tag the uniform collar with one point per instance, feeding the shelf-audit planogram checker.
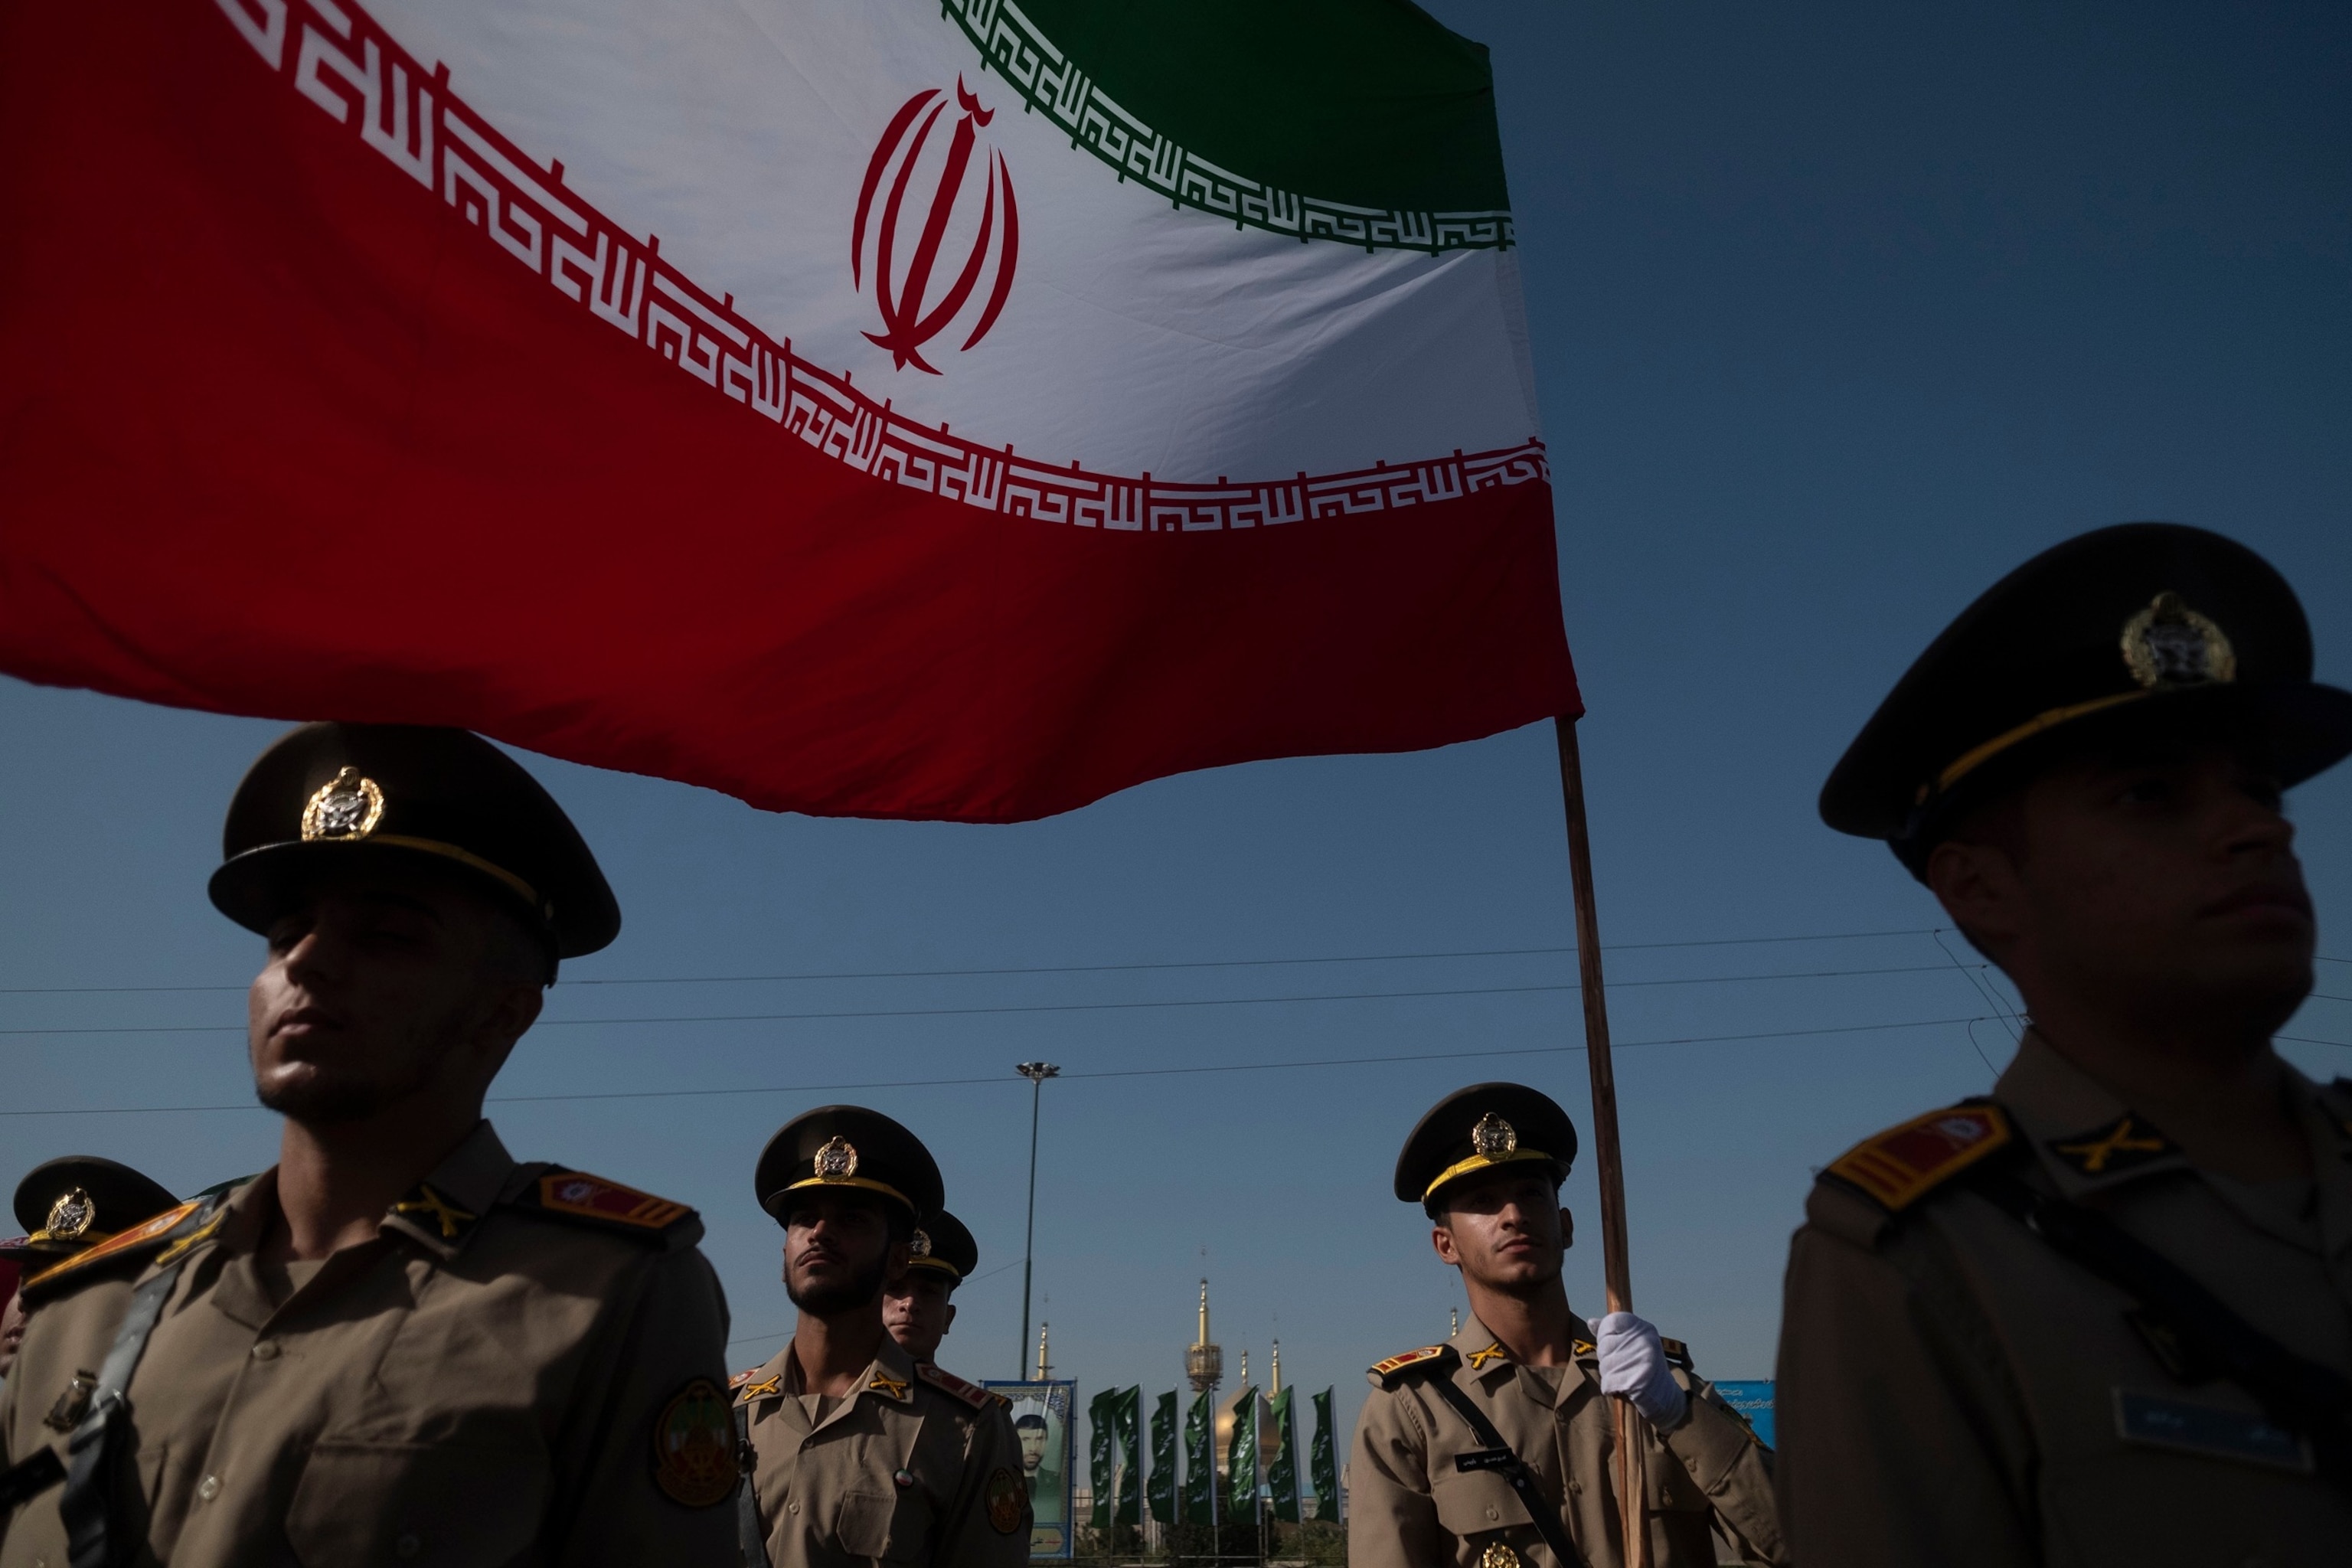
(1487, 1365)
(442, 1213)
(888, 1377)
(2086, 1139)
(2091, 1141)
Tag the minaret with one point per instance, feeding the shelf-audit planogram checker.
(1275, 1376)
(1204, 1363)
(1045, 1367)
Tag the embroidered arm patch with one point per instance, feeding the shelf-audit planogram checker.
(694, 1446)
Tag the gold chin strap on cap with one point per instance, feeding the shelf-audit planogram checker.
(866, 1183)
(451, 852)
(943, 1265)
(1972, 760)
(80, 1238)
(1461, 1168)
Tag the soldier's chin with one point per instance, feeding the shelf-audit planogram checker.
(321, 1100)
(831, 1298)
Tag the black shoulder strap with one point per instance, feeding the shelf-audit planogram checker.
(747, 1501)
(1501, 1458)
(2193, 1333)
(100, 1445)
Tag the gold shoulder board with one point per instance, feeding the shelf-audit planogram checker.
(1384, 1372)
(117, 1245)
(1676, 1352)
(1903, 1163)
(592, 1200)
(972, 1394)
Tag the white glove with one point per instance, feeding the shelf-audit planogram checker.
(1633, 1364)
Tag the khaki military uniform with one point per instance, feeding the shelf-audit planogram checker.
(522, 1366)
(917, 1466)
(1409, 1507)
(1953, 1391)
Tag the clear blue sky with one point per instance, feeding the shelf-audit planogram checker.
(1839, 312)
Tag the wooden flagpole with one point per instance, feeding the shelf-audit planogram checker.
(1608, 1158)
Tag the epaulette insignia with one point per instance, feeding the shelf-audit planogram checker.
(125, 1242)
(1902, 1164)
(883, 1382)
(438, 1213)
(745, 1391)
(1384, 1372)
(575, 1194)
(1676, 1352)
(2123, 1144)
(1583, 1347)
(1478, 1359)
(972, 1394)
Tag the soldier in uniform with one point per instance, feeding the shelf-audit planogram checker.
(1497, 1448)
(2104, 1315)
(398, 1343)
(857, 1452)
(65, 1204)
(915, 1307)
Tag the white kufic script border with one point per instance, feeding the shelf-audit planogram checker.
(342, 60)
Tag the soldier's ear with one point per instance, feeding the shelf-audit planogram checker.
(1443, 1240)
(1566, 1229)
(949, 1322)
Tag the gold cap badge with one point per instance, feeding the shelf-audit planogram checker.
(1498, 1555)
(837, 1161)
(349, 805)
(71, 1215)
(2168, 643)
(919, 1245)
(1494, 1136)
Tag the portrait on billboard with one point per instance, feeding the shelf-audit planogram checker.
(1040, 1422)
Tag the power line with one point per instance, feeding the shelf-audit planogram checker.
(1070, 1007)
(999, 1079)
(1072, 968)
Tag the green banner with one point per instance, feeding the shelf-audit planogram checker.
(1098, 1454)
(1164, 1458)
(1200, 1462)
(1282, 1472)
(1127, 1423)
(1240, 1457)
(1324, 1462)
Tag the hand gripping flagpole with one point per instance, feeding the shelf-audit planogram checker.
(1608, 1159)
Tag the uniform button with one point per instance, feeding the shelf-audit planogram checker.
(266, 1351)
(1494, 1513)
(407, 1546)
(1575, 1487)
(209, 1488)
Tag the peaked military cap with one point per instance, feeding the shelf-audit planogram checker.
(942, 1243)
(79, 1200)
(2146, 623)
(840, 1146)
(1484, 1128)
(325, 796)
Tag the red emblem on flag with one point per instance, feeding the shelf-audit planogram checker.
(981, 224)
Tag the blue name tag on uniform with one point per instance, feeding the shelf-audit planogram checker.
(2205, 1429)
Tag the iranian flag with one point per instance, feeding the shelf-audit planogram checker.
(862, 407)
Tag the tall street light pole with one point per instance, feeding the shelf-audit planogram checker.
(1036, 1073)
